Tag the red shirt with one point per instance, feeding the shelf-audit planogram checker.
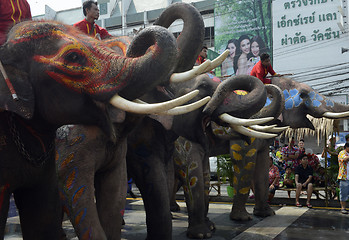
(199, 60)
(259, 71)
(87, 28)
(12, 12)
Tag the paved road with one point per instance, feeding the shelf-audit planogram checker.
(289, 223)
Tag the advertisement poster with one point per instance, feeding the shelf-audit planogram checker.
(244, 28)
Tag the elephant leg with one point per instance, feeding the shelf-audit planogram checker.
(261, 183)
(110, 191)
(4, 207)
(149, 174)
(39, 207)
(189, 158)
(243, 157)
(173, 204)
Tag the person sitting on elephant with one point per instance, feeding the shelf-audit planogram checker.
(262, 68)
(274, 178)
(303, 179)
(290, 155)
(12, 12)
(88, 25)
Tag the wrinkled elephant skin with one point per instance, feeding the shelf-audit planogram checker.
(60, 76)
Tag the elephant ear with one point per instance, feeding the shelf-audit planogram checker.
(19, 79)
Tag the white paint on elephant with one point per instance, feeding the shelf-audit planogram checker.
(272, 226)
(63, 131)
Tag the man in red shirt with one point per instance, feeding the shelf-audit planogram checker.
(12, 12)
(88, 25)
(202, 56)
(262, 68)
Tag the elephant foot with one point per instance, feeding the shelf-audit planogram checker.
(240, 215)
(200, 231)
(210, 225)
(175, 207)
(263, 212)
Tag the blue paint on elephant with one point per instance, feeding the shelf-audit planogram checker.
(289, 104)
(286, 94)
(297, 100)
(316, 103)
(293, 92)
(267, 103)
(329, 103)
(319, 97)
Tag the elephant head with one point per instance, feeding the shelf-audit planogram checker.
(190, 40)
(65, 71)
(301, 99)
(224, 101)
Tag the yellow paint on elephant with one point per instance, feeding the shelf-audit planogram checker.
(206, 192)
(250, 165)
(237, 156)
(235, 180)
(236, 147)
(193, 165)
(234, 190)
(251, 152)
(244, 190)
(246, 178)
(187, 146)
(236, 169)
(252, 140)
(193, 181)
(182, 173)
(178, 161)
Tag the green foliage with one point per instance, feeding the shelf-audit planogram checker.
(225, 168)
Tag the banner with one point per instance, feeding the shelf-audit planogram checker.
(244, 28)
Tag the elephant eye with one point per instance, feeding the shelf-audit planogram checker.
(74, 57)
(303, 95)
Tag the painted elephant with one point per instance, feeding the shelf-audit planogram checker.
(91, 166)
(151, 147)
(58, 76)
(300, 100)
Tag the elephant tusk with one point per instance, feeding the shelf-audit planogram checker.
(140, 108)
(252, 133)
(278, 129)
(185, 76)
(245, 122)
(336, 115)
(186, 108)
(207, 66)
(262, 128)
(218, 60)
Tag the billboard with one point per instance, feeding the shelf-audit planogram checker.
(307, 37)
(244, 28)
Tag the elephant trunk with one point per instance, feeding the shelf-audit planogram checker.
(191, 39)
(150, 61)
(273, 106)
(237, 105)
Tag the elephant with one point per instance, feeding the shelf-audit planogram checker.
(299, 100)
(55, 75)
(154, 146)
(90, 166)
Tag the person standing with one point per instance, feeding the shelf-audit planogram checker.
(262, 68)
(343, 158)
(11, 13)
(303, 180)
(88, 25)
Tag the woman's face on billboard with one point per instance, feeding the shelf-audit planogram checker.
(255, 49)
(232, 48)
(245, 46)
